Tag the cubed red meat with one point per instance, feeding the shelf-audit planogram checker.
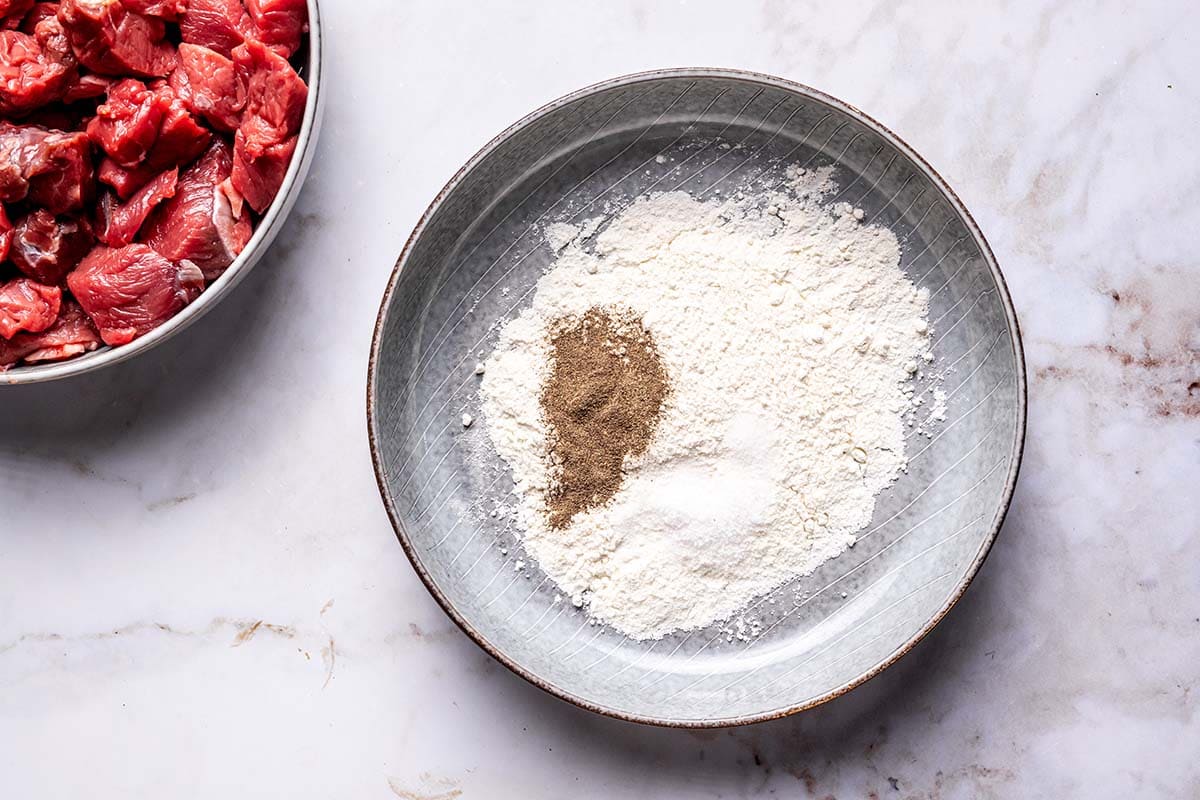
(12, 12)
(259, 178)
(279, 24)
(181, 139)
(170, 10)
(27, 306)
(46, 248)
(266, 139)
(275, 96)
(198, 224)
(130, 291)
(72, 334)
(110, 39)
(125, 180)
(217, 24)
(118, 223)
(35, 69)
(127, 123)
(139, 124)
(51, 168)
(208, 84)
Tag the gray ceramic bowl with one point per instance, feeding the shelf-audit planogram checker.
(268, 228)
(473, 261)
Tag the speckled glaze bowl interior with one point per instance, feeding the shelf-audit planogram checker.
(268, 228)
(473, 262)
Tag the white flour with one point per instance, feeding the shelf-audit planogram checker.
(787, 330)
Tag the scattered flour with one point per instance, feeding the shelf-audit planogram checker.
(788, 332)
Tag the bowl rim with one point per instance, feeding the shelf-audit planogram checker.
(268, 228)
(930, 173)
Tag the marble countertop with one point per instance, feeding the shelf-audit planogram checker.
(201, 596)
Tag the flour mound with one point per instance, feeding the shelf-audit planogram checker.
(787, 331)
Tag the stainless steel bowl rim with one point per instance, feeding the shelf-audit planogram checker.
(268, 228)
(930, 173)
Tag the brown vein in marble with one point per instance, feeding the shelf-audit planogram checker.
(1152, 356)
(245, 630)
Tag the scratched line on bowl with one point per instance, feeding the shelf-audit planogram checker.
(967, 259)
(465, 513)
(524, 602)
(837, 197)
(954, 392)
(965, 314)
(585, 645)
(919, 281)
(913, 261)
(891, 201)
(756, 150)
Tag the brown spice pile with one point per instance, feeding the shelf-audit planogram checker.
(602, 401)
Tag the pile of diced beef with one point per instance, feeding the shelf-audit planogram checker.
(139, 142)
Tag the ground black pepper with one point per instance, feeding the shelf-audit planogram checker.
(602, 401)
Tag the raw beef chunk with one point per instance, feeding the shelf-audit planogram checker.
(118, 223)
(198, 224)
(35, 69)
(27, 306)
(181, 139)
(130, 291)
(208, 84)
(258, 178)
(125, 180)
(138, 124)
(275, 96)
(127, 124)
(266, 139)
(71, 334)
(51, 168)
(110, 39)
(279, 24)
(217, 24)
(46, 248)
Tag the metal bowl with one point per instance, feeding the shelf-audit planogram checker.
(473, 261)
(268, 228)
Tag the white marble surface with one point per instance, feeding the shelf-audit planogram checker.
(200, 595)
